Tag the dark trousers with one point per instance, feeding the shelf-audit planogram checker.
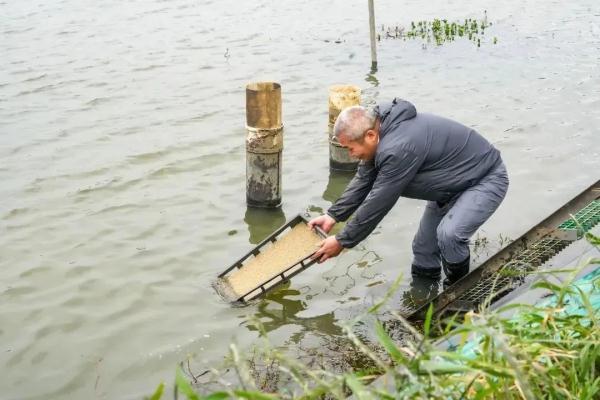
(445, 231)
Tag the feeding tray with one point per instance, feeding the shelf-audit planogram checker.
(285, 253)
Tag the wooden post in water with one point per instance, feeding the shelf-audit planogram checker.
(340, 97)
(264, 144)
(372, 32)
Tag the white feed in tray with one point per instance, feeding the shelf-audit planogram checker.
(291, 248)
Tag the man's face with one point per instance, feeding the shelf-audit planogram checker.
(364, 149)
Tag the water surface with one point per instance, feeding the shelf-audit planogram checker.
(123, 168)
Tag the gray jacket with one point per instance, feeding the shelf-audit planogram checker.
(420, 156)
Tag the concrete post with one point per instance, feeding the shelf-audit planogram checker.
(264, 144)
(340, 97)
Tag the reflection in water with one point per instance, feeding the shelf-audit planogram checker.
(341, 283)
(276, 310)
(371, 94)
(320, 343)
(421, 290)
(314, 209)
(372, 78)
(262, 222)
(338, 180)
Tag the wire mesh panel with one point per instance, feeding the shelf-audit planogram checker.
(510, 276)
(485, 288)
(541, 251)
(585, 218)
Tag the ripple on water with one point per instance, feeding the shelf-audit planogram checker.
(114, 185)
(98, 101)
(39, 89)
(148, 67)
(121, 208)
(17, 212)
(35, 271)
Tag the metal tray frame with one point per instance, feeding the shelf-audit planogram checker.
(284, 275)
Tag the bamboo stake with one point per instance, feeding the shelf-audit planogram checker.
(372, 32)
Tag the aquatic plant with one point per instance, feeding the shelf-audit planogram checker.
(440, 31)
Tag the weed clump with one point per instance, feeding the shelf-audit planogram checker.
(440, 31)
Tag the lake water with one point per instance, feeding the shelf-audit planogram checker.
(122, 165)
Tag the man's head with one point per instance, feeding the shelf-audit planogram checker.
(357, 129)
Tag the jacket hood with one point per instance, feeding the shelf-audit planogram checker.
(392, 114)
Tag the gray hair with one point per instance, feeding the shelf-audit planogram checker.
(354, 121)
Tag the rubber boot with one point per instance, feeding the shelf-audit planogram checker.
(421, 272)
(455, 271)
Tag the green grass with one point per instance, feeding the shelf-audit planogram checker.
(538, 352)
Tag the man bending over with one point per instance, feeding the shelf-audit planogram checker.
(420, 156)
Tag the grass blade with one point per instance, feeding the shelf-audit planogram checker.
(184, 385)
(157, 393)
(386, 341)
(358, 389)
(428, 318)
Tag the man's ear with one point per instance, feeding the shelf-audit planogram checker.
(371, 135)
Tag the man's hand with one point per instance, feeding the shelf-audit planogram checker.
(325, 222)
(329, 248)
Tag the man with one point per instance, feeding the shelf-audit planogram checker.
(421, 156)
